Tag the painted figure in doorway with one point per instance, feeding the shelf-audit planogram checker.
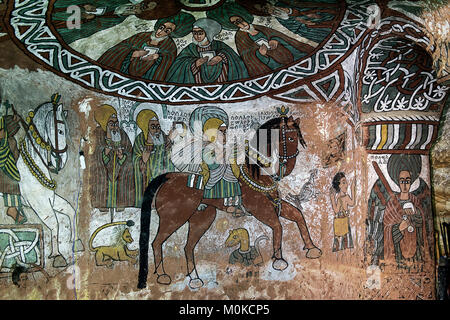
(399, 222)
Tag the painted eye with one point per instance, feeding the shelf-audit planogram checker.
(291, 139)
(60, 132)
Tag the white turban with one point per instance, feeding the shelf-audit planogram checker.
(211, 27)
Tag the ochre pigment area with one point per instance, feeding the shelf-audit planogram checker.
(215, 150)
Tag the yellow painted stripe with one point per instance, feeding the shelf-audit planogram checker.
(384, 131)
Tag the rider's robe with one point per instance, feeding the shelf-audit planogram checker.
(9, 153)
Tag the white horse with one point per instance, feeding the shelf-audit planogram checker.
(44, 150)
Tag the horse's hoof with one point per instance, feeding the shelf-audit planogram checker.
(164, 279)
(78, 245)
(196, 283)
(314, 253)
(280, 264)
(59, 262)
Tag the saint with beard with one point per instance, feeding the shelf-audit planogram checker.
(151, 152)
(149, 55)
(111, 177)
(261, 48)
(206, 60)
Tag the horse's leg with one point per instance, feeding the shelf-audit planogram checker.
(263, 210)
(63, 207)
(292, 213)
(199, 223)
(165, 230)
(44, 211)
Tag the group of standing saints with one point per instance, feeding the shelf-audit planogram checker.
(121, 171)
(259, 49)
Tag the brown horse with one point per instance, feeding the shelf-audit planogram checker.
(176, 203)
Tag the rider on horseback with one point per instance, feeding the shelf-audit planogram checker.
(221, 174)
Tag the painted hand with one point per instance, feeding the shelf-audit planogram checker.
(145, 155)
(138, 54)
(107, 150)
(119, 153)
(273, 44)
(263, 50)
(403, 225)
(215, 61)
(151, 57)
(200, 61)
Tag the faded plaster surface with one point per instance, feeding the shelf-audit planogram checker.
(344, 134)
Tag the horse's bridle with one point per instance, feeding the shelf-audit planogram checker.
(56, 149)
(33, 134)
(285, 157)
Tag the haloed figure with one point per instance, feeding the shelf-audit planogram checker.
(341, 201)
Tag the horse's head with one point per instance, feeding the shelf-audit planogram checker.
(290, 138)
(285, 150)
(56, 135)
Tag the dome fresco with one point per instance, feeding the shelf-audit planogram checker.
(223, 150)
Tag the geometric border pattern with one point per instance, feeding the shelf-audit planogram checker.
(28, 28)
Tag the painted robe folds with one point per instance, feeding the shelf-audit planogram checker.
(111, 178)
(400, 245)
(9, 175)
(119, 57)
(287, 52)
(158, 163)
(88, 27)
(230, 68)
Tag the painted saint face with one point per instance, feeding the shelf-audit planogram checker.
(199, 34)
(165, 29)
(239, 22)
(154, 127)
(113, 128)
(404, 180)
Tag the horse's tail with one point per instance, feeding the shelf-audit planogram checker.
(144, 236)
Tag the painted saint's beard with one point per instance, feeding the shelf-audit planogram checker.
(157, 139)
(115, 135)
